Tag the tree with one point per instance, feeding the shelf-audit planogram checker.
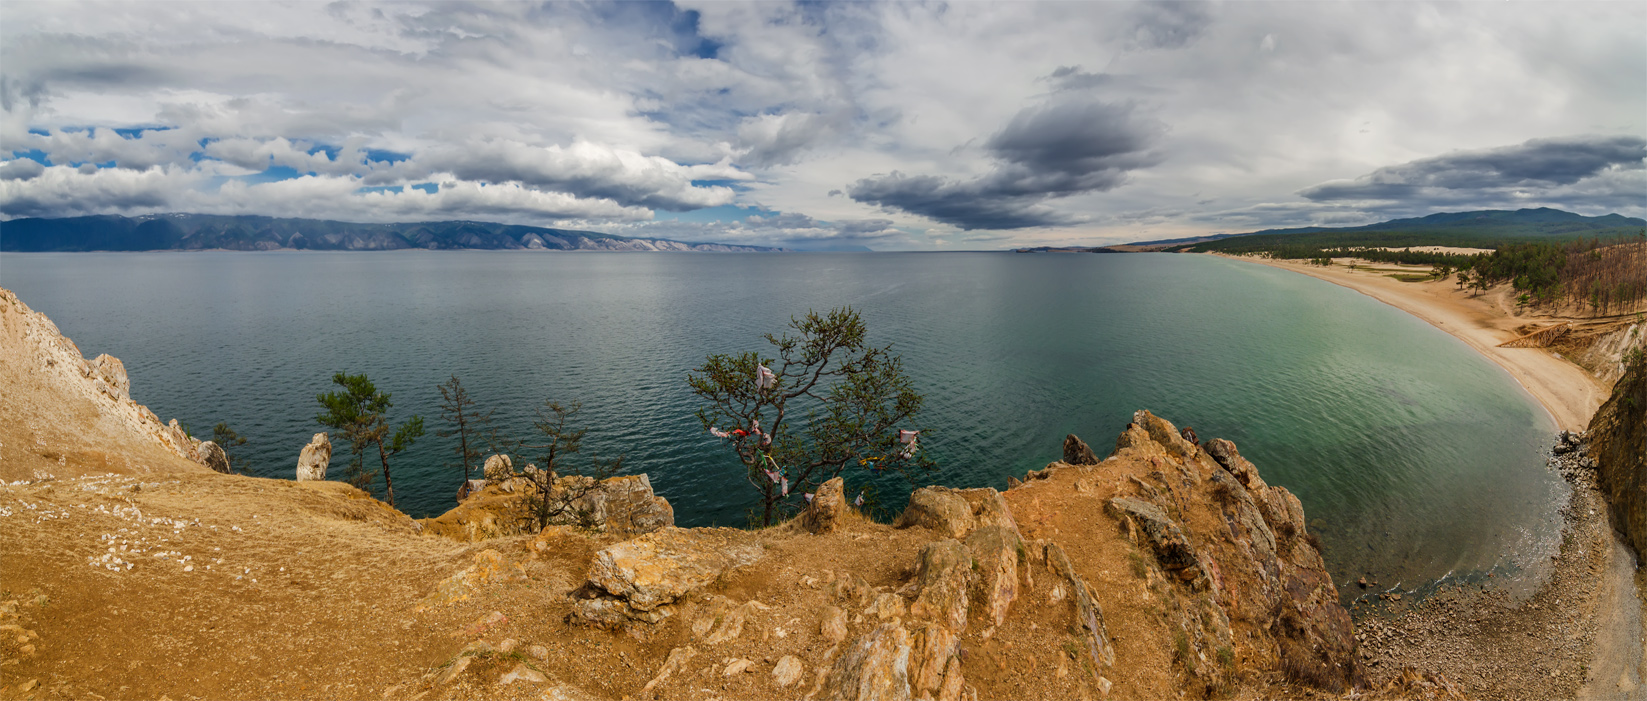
(458, 411)
(358, 412)
(557, 499)
(228, 440)
(847, 400)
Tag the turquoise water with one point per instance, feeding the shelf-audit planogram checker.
(1414, 456)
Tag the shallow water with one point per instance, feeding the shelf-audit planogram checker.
(1415, 457)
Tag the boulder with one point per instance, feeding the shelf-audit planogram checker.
(624, 505)
(113, 373)
(498, 468)
(874, 668)
(657, 568)
(827, 509)
(956, 512)
(212, 456)
(1077, 452)
(995, 561)
(1171, 547)
(943, 577)
(935, 646)
(315, 458)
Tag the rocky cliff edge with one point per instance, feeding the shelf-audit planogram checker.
(66, 415)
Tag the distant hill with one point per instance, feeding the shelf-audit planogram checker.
(192, 232)
(1481, 229)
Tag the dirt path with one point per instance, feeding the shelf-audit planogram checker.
(1569, 393)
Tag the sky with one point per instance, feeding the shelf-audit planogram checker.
(896, 126)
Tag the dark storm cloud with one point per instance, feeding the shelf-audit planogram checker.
(1539, 164)
(1072, 144)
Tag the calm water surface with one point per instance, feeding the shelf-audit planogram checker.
(1415, 457)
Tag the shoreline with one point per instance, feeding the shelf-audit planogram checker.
(1484, 641)
(1568, 393)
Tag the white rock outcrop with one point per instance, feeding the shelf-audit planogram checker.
(315, 458)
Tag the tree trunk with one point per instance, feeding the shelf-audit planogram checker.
(388, 484)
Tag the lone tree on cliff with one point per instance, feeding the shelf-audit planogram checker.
(459, 413)
(358, 411)
(829, 401)
(558, 499)
(227, 439)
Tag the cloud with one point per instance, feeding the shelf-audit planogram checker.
(1166, 25)
(1594, 170)
(583, 169)
(1043, 120)
(1071, 144)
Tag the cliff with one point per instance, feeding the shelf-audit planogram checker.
(1618, 442)
(1167, 568)
(66, 415)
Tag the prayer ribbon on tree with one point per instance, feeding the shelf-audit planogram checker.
(859, 501)
(764, 379)
(908, 438)
(718, 433)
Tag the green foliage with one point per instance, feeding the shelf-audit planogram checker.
(463, 422)
(836, 402)
(554, 503)
(228, 440)
(358, 411)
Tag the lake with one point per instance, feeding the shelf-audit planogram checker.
(1415, 457)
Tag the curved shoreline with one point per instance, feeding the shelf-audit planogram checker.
(1567, 392)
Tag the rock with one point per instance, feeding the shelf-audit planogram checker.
(995, 561)
(1164, 433)
(538, 652)
(213, 457)
(1088, 615)
(498, 468)
(956, 512)
(737, 667)
(456, 670)
(943, 577)
(731, 625)
(112, 372)
(678, 658)
(625, 505)
(833, 626)
(315, 458)
(1225, 453)
(940, 508)
(470, 488)
(874, 668)
(660, 567)
(787, 671)
(886, 606)
(1171, 547)
(936, 646)
(1077, 452)
(828, 506)
(523, 673)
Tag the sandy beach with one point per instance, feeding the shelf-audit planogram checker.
(1568, 392)
(1581, 634)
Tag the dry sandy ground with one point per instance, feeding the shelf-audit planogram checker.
(1569, 393)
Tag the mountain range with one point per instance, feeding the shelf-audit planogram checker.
(192, 232)
(1485, 228)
